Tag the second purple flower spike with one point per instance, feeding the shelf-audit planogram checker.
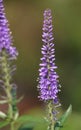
(48, 78)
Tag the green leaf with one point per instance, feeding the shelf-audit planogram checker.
(63, 118)
(65, 115)
(26, 118)
(3, 123)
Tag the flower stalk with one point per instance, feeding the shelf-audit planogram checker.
(7, 79)
(9, 89)
(50, 115)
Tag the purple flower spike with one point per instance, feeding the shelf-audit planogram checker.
(5, 34)
(48, 78)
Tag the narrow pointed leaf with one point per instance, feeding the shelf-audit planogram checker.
(63, 118)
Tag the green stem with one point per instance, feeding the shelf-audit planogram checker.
(12, 126)
(7, 79)
(51, 117)
(8, 87)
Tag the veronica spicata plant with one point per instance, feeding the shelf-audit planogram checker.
(48, 79)
(8, 54)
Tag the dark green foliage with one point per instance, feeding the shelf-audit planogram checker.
(26, 127)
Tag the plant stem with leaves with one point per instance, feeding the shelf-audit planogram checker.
(9, 88)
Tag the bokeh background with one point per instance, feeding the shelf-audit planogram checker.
(26, 18)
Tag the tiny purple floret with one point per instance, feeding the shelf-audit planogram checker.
(5, 34)
(48, 78)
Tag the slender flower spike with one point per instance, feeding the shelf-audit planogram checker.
(5, 34)
(48, 78)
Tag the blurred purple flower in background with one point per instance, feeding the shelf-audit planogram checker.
(5, 34)
(48, 78)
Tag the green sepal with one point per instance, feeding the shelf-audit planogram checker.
(2, 115)
(20, 99)
(3, 102)
(59, 124)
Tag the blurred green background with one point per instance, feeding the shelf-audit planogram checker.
(26, 18)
